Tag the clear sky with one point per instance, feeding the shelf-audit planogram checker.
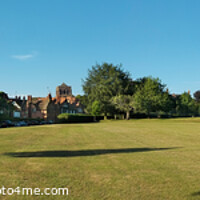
(46, 42)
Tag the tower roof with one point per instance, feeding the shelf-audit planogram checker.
(64, 85)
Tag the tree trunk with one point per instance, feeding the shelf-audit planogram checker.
(158, 115)
(115, 116)
(128, 115)
(148, 115)
(105, 117)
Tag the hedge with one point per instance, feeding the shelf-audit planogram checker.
(74, 118)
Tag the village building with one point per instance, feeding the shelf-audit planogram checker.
(47, 108)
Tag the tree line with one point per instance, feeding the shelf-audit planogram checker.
(109, 90)
(6, 106)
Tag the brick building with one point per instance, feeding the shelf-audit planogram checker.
(47, 108)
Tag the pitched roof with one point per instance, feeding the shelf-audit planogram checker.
(43, 104)
(63, 84)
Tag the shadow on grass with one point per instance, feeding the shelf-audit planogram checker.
(75, 153)
(196, 194)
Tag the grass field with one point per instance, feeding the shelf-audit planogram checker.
(113, 160)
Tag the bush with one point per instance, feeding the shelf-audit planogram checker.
(74, 118)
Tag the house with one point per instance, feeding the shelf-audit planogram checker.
(47, 108)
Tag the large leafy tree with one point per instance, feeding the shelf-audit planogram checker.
(151, 96)
(124, 103)
(104, 82)
(197, 96)
(186, 105)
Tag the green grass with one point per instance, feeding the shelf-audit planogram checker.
(113, 160)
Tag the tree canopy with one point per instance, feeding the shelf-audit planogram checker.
(111, 90)
(197, 95)
(5, 105)
(124, 103)
(186, 105)
(105, 81)
(150, 95)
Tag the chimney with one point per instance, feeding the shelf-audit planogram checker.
(49, 97)
(30, 98)
(188, 91)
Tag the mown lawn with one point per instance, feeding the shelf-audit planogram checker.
(113, 160)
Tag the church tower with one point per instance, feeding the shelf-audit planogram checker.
(63, 90)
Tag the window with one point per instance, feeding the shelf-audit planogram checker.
(16, 114)
(80, 110)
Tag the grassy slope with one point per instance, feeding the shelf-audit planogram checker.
(114, 175)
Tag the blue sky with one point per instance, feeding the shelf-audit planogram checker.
(46, 42)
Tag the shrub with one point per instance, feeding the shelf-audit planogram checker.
(74, 118)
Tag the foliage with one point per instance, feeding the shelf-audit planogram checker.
(103, 82)
(74, 118)
(5, 106)
(124, 103)
(186, 105)
(83, 99)
(96, 108)
(150, 96)
(198, 108)
(197, 96)
(115, 91)
(167, 103)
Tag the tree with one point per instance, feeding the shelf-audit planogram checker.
(124, 103)
(5, 106)
(197, 96)
(84, 101)
(104, 82)
(96, 109)
(186, 105)
(150, 96)
(198, 108)
(197, 99)
(168, 104)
